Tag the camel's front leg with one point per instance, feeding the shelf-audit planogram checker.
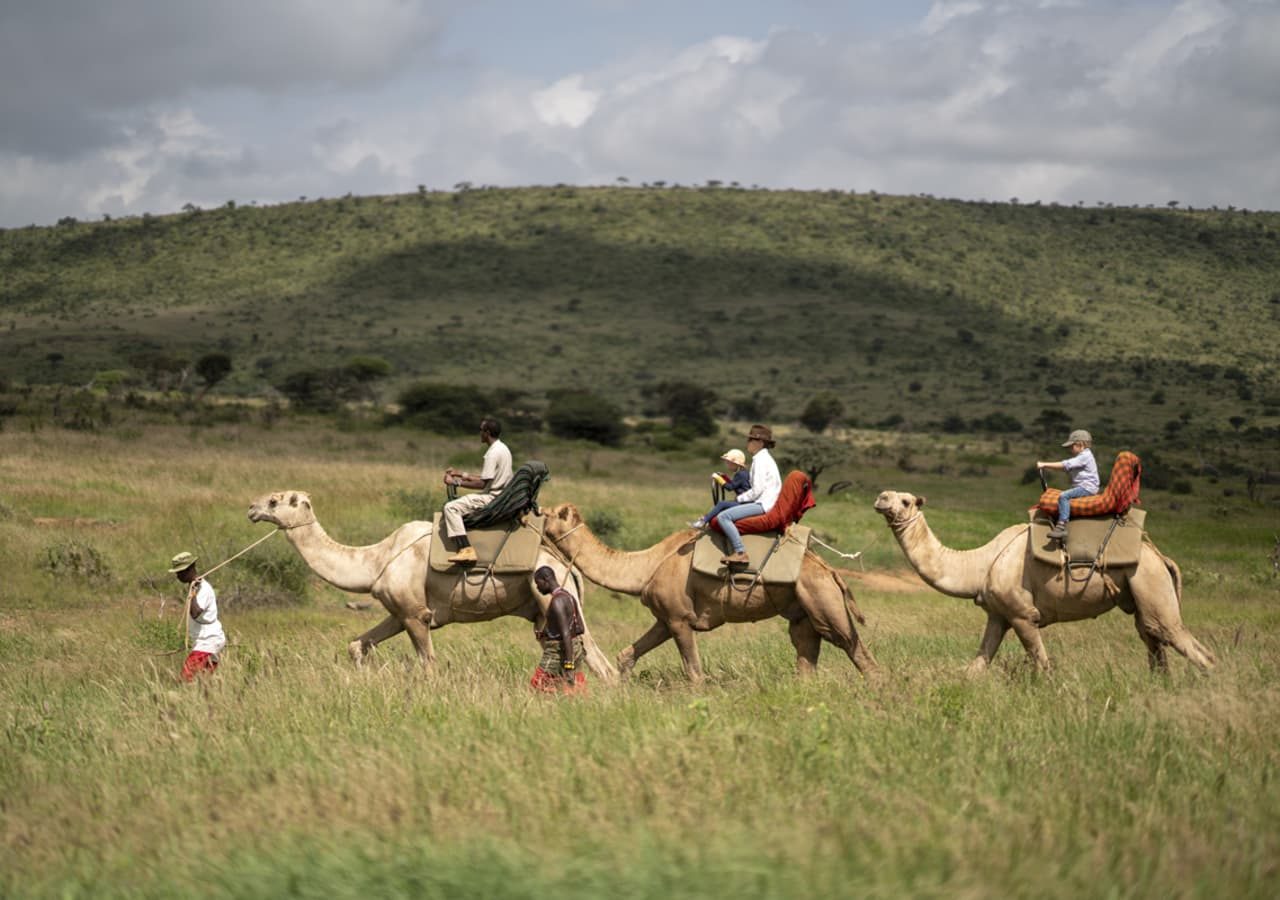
(996, 629)
(688, 645)
(420, 634)
(360, 647)
(1029, 633)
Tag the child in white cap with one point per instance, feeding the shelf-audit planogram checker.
(1083, 470)
(737, 479)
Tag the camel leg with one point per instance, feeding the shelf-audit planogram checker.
(688, 645)
(1029, 634)
(804, 637)
(1156, 658)
(360, 647)
(822, 598)
(996, 629)
(1156, 598)
(420, 635)
(658, 634)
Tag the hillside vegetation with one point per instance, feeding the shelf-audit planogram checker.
(909, 310)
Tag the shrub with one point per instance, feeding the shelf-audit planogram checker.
(582, 415)
(999, 422)
(687, 405)
(75, 559)
(444, 408)
(821, 411)
(415, 504)
(604, 523)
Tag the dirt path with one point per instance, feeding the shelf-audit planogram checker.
(886, 582)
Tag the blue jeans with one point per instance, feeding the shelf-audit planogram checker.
(718, 508)
(729, 516)
(1064, 502)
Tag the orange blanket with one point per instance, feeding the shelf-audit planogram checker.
(1120, 493)
(795, 500)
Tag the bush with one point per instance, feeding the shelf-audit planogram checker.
(275, 577)
(415, 504)
(444, 408)
(998, 422)
(75, 559)
(604, 524)
(582, 415)
(687, 405)
(820, 412)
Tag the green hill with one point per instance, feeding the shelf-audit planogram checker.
(916, 310)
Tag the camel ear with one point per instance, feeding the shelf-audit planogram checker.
(920, 502)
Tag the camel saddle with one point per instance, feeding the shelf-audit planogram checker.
(1085, 539)
(775, 556)
(503, 549)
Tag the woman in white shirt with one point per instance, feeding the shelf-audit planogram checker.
(766, 485)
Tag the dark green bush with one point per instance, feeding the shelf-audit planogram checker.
(821, 411)
(444, 408)
(604, 523)
(75, 559)
(584, 416)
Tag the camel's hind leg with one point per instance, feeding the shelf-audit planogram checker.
(804, 637)
(1154, 585)
(658, 634)
(1155, 650)
(830, 610)
(360, 647)
(996, 629)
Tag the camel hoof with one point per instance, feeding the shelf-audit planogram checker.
(626, 662)
(356, 652)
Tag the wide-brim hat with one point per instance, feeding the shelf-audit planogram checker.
(1079, 436)
(761, 433)
(182, 562)
(737, 457)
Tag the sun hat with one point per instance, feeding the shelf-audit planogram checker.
(182, 562)
(1078, 436)
(761, 433)
(737, 457)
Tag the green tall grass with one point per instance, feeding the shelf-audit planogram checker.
(291, 774)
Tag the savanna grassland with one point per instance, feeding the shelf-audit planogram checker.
(291, 774)
(1160, 324)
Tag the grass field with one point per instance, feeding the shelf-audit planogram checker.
(291, 774)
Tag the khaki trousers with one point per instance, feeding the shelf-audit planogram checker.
(454, 510)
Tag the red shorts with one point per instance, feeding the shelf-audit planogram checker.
(198, 661)
(547, 683)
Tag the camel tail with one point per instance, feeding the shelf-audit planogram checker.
(1174, 572)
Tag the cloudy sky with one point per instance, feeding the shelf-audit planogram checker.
(127, 106)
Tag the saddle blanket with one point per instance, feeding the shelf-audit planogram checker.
(510, 547)
(782, 566)
(1085, 536)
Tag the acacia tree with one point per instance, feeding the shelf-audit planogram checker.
(212, 369)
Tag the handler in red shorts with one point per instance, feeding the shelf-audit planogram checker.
(563, 653)
(203, 627)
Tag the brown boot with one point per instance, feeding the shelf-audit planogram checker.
(736, 559)
(464, 557)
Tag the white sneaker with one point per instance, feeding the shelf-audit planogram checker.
(697, 523)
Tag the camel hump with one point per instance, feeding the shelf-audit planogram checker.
(505, 549)
(1120, 546)
(776, 557)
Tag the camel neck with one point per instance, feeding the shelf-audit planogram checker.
(626, 572)
(957, 573)
(350, 569)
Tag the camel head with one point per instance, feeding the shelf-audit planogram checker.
(561, 520)
(898, 507)
(285, 509)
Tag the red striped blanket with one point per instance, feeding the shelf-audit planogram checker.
(1120, 493)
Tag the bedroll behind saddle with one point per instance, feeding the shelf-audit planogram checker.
(795, 499)
(520, 494)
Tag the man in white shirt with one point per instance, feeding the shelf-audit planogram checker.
(203, 628)
(766, 485)
(494, 475)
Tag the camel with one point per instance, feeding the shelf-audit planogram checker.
(1020, 592)
(416, 598)
(819, 606)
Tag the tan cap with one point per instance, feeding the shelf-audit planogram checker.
(182, 562)
(1079, 436)
(737, 457)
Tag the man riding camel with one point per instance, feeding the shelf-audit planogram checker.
(495, 474)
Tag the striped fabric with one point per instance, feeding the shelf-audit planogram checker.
(1120, 493)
